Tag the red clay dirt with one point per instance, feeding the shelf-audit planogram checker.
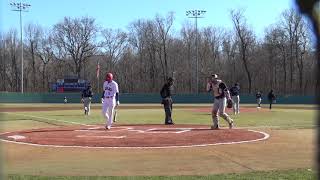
(152, 136)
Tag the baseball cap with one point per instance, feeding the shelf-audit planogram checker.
(170, 79)
(215, 76)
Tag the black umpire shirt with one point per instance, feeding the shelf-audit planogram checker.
(166, 91)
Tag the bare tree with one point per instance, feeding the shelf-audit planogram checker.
(229, 45)
(246, 39)
(280, 42)
(12, 69)
(145, 55)
(188, 35)
(45, 54)
(164, 25)
(291, 22)
(113, 44)
(76, 38)
(33, 33)
(301, 45)
(210, 44)
(138, 43)
(3, 62)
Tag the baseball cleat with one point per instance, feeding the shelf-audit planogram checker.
(108, 127)
(231, 125)
(171, 123)
(214, 127)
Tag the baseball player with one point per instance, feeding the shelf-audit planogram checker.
(166, 93)
(259, 99)
(65, 100)
(221, 94)
(110, 99)
(271, 98)
(234, 91)
(86, 97)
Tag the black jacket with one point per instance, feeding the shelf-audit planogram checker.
(235, 91)
(166, 91)
(271, 96)
(86, 93)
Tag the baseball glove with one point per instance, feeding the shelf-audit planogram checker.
(229, 103)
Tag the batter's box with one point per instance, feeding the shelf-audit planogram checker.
(168, 130)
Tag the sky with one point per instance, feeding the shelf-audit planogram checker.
(118, 14)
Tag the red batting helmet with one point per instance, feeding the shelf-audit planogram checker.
(109, 77)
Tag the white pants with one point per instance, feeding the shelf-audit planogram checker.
(108, 109)
(87, 104)
(259, 102)
(218, 109)
(236, 100)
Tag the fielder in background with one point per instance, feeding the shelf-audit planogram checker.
(235, 91)
(110, 99)
(86, 97)
(65, 100)
(259, 99)
(221, 94)
(166, 93)
(271, 98)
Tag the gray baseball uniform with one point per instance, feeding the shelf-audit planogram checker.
(221, 93)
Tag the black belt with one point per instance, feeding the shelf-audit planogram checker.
(109, 97)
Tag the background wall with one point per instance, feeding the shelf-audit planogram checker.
(141, 98)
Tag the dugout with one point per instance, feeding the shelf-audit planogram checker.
(69, 85)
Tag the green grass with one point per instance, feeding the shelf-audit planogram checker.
(297, 174)
(279, 118)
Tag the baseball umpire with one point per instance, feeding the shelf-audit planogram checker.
(86, 97)
(166, 93)
(271, 98)
(221, 95)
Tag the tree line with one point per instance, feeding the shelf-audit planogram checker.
(149, 51)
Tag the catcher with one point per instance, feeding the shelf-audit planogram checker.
(221, 97)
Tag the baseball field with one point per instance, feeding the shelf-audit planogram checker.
(57, 141)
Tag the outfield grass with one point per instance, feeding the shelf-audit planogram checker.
(298, 174)
(277, 118)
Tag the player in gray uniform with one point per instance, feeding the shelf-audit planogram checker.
(259, 98)
(86, 97)
(235, 91)
(221, 94)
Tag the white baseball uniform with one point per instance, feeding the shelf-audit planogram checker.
(109, 101)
